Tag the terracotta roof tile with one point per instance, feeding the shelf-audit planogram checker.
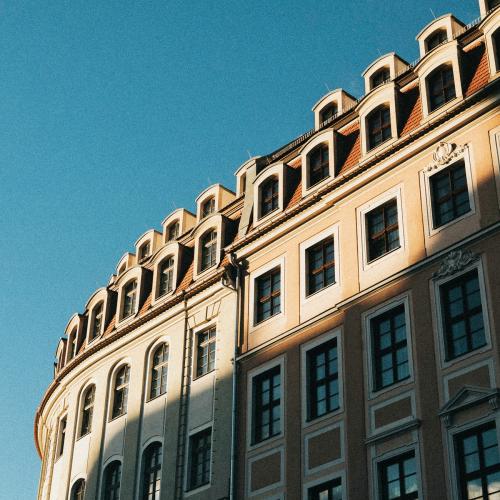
(110, 327)
(296, 196)
(350, 148)
(224, 262)
(146, 305)
(187, 279)
(411, 110)
(479, 73)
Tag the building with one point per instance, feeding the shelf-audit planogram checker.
(329, 330)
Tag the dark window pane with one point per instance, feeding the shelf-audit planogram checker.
(208, 250)
(382, 229)
(87, 411)
(379, 126)
(381, 76)
(269, 196)
(320, 265)
(329, 111)
(159, 371)
(331, 490)
(398, 478)
(268, 295)
(437, 38)
(78, 490)
(266, 405)
(166, 276)
(441, 86)
(120, 395)
(129, 298)
(151, 479)
(200, 446)
(319, 164)
(112, 479)
(205, 351)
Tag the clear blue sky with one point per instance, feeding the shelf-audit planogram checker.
(113, 113)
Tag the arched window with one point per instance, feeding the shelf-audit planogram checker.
(173, 231)
(166, 277)
(144, 250)
(122, 269)
(440, 86)
(435, 39)
(96, 321)
(87, 410)
(269, 196)
(208, 207)
(151, 479)
(379, 126)
(496, 47)
(112, 479)
(329, 111)
(319, 164)
(381, 76)
(73, 343)
(208, 249)
(129, 298)
(78, 490)
(159, 372)
(120, 392)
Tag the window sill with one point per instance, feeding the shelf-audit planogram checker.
(466, 357)
(438, 229)
(265, 443)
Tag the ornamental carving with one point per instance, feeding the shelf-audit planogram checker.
(454, 262)
(444, 154)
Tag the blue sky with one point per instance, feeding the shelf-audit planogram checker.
(113, 113)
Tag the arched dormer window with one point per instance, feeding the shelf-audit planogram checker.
(173, 231)
(122, 269)
(378, 126)
(208, 247)
(73, 344)
(78, 490)
(144, 251)
(379, 77)
(495, 38)
(269, 196)
(87, 411)
(440, 86)
(111, 481)
(166, 271)
(493, 3)
(151, 475)
(96, 321)
(319, 164)
(159, 371)
(120, 392)
(435, 39)
(129, 299)
(329, 111)
(208, 207)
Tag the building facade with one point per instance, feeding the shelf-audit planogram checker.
(326, 332)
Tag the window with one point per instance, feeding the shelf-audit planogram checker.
(122, 269)
(62, 436)
(120, 393)
(87, 411)
(208, 249)
(200, 447)
(379, 126)
(435, 39)
(331, 490)
(208, 207)
(462, 311)
(112, 479)
(268, 296)
(449, 194)
(267, 404)
(495, 39)
(323, 379)
(329, 111)
(390, 350)
(173, 231)
(129, 299)
(78, 490)
(96, 323)
(398, 478)
(382, 229)
(73, 344)
(319, 164)
(151, 479)
(320, 260)
(269, 196)
(144, 251)
(479, 463)
(166, 284)
(441, 86)
(381, 76)
(159, 372)
(493, 3)
(205, 351)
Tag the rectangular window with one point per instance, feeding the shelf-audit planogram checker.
(398, 478)
(205, 351)
(267, 404)
(479, 463)
(320, 265)
(390, 350)
(383, 230)
(463, 322)
(323, 379)
(331, 490)
(449, 193)
(200, 446)
(268, 294)
(62, 436)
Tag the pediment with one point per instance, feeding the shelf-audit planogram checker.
(470, 396)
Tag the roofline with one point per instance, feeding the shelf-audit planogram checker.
(429, 24)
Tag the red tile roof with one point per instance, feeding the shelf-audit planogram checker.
(411, 110)
(479, 74)
(350, 148)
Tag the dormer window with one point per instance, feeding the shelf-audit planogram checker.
(166, 276)
(208, 250)
(208, 207)
(435, 39)
(129, 299)
(379, 126)
(122, 269)
(440, 86)
(73, 344)
(329, 111)
(493, 3)
(381, 76)
(319, 164)
(496, 47)
(144, 251)
(269, 196)
(173, 231)
(96, 321)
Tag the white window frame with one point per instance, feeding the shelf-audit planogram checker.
(79, 414)
(196, 332)
(112, 385)
(495, 154)
(490, 25)
(149, 367)
(277, 171)
(189, 492)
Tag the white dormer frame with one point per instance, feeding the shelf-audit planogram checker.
(185, 218)
(489, 27)
(217, 222)
(448, 53)
(152, 237)
(174, 250)
(339, 97)
(134, 273)
(484, 8)
(100, 295)
(328, 137)
(75, 325)
(60, 354)
(447, 22)
(384, 94)
(277, 171)
(241, 175)
(125, 262)
(391, 61)
(221, 195)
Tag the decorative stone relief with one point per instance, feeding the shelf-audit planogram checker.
(454, 262)
(444, 154)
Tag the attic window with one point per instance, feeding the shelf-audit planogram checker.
(441, 86)
(173, 231)
(496, 47)
(379, 77)
(329, 111)
(493, 3)
(208, 207)
(269, 196)
(379, 126)
(435, 39)
(319, 164)
(144, 251)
